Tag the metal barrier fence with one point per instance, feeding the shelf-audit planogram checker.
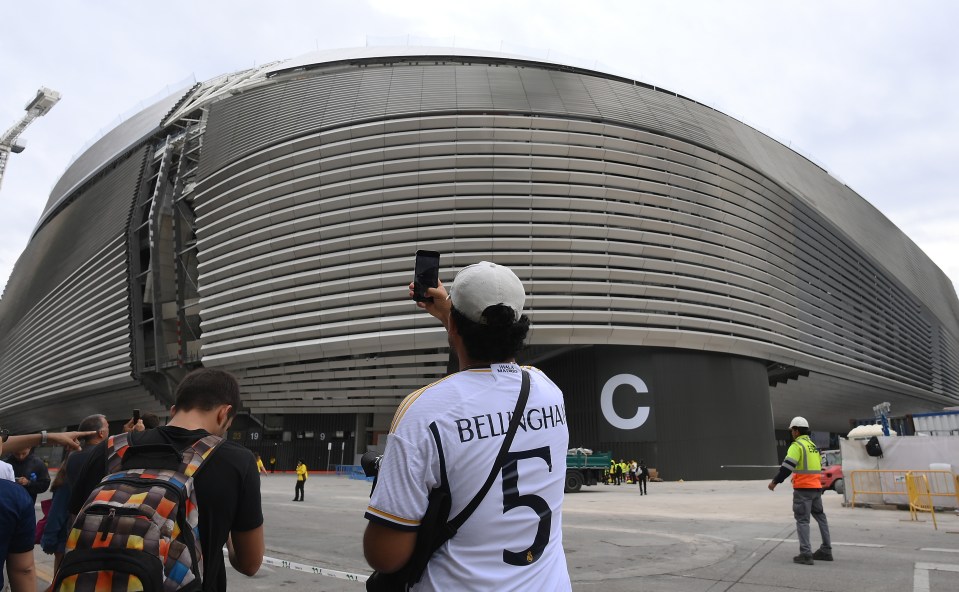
(920, 497)
(887, 482)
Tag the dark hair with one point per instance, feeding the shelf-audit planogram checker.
(150, 420)
(496, 340)
(92, 423)
(206, 389)
(61, 477)
(802, 431)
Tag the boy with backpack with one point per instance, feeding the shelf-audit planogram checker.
(174, 496)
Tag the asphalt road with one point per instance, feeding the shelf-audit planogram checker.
(713, 536)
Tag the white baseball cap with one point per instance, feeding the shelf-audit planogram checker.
(481, 285)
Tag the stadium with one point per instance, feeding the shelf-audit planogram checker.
(692, 283)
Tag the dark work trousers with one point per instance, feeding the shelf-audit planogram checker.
(298, 492)
(642, 484)
(808, 502)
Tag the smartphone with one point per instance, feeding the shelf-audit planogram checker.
(426, 274)
(136, 416)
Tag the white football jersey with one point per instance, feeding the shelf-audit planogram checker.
(452, 430)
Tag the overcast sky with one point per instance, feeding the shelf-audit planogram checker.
(867, 89)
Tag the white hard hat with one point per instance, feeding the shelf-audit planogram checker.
(798, 422)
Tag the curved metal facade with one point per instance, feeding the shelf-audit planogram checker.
(635, 217)
(65, 313)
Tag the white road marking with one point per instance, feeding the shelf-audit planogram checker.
(321, 571)
(939, 550)
(920, 577)
(312, 569)
(920, 580)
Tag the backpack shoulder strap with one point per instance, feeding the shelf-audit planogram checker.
(466, 512)
(117, 446)
(196, 454)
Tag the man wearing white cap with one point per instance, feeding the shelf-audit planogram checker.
(448, 436)
(805, 463)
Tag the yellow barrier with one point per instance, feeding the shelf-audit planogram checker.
(893, 482)
(918, 487)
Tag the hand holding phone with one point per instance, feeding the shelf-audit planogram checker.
(426, 274)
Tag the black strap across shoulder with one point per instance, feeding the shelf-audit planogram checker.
(460, 518)
(435, 530)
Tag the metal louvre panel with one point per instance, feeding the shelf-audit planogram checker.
(305, 246)
(114, 143)
(90, 222)
(65, 315)
(94, 301)
(513, 87)
(77, 339)
(361, 384)
(241, 229)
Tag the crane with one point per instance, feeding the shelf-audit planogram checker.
(38, 107)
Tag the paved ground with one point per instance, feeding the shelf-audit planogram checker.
(713, 536)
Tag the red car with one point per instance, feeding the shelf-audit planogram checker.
(831, 476)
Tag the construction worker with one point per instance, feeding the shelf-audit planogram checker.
(804, 462)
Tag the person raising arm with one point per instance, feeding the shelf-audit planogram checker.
(69, 440)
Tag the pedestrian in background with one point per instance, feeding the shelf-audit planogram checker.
(259, 465)
(301, 475)
(54, 538)
(642, 476)
(18, 524)
(30, 472)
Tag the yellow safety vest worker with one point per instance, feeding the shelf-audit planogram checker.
(804, 461)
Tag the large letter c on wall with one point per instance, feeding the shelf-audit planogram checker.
(606, 402)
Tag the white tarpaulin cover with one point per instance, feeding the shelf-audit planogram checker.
(907, 453)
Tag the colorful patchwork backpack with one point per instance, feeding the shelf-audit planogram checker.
(138, 530)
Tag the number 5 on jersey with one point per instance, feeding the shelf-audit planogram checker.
(512, 499)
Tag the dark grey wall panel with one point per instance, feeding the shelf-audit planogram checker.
(704, 410)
